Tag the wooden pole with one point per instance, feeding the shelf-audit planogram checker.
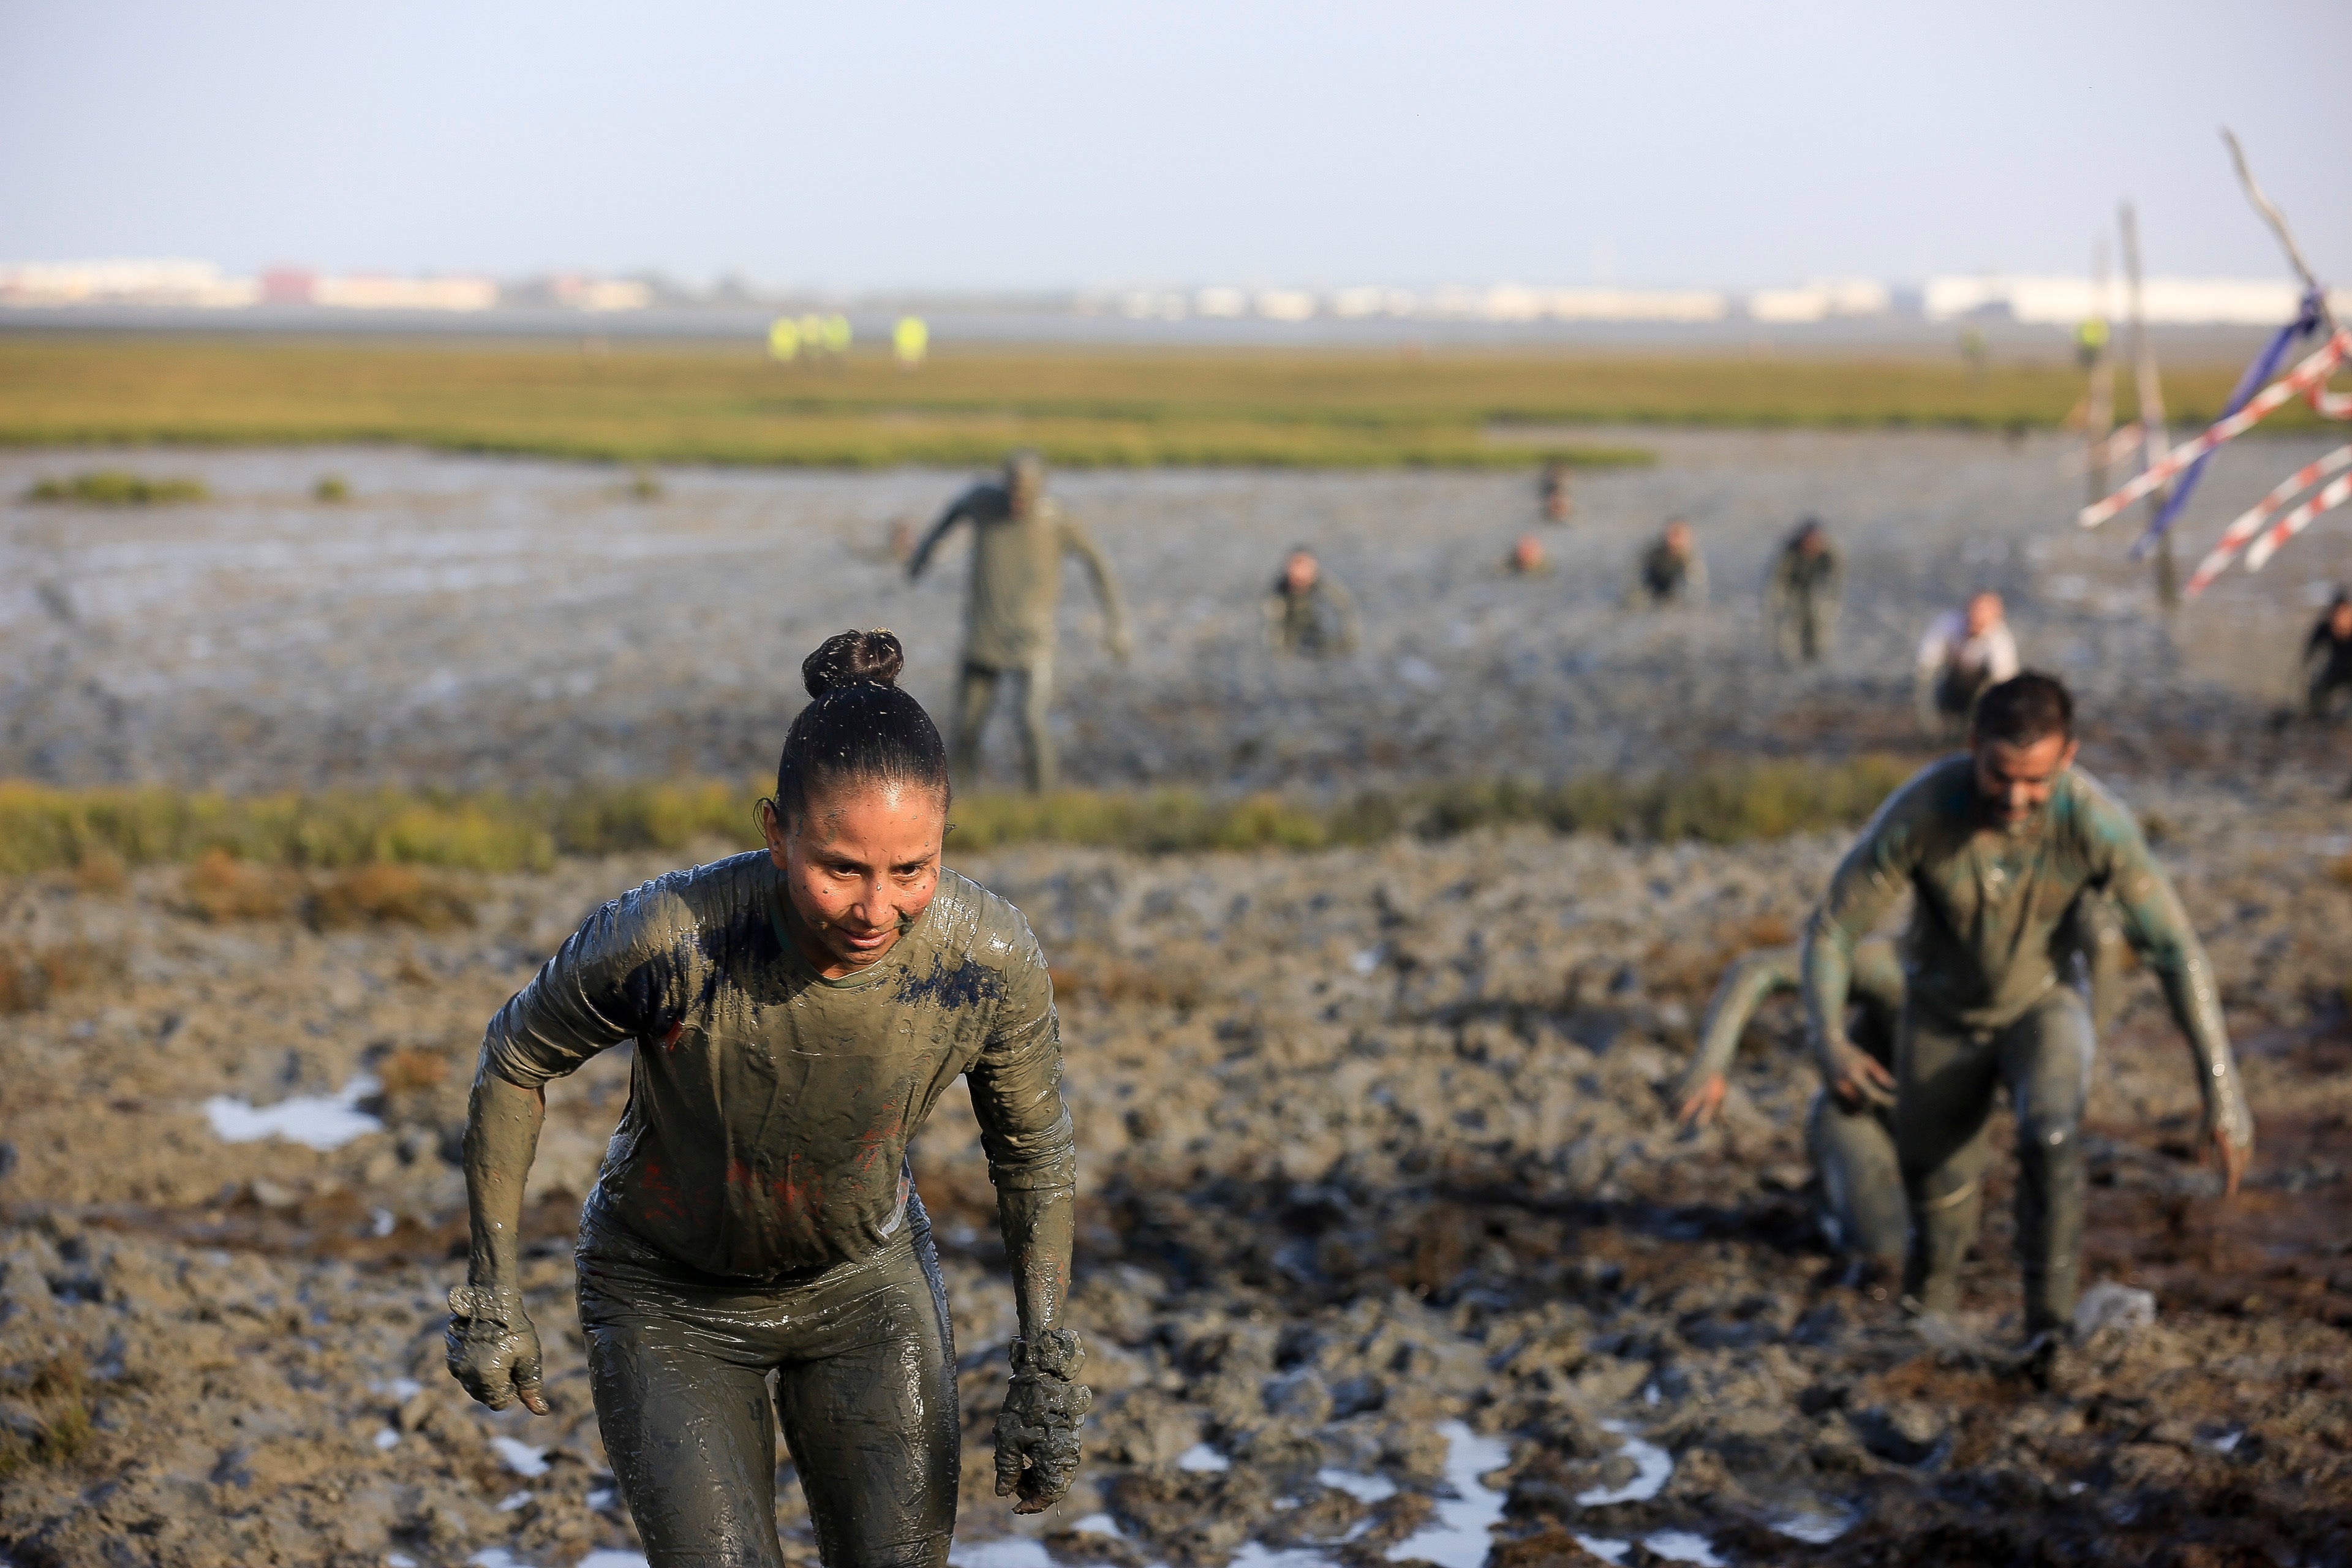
(2277, 220)
(2099, 418)
(2153, 441)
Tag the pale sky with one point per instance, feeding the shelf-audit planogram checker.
(1049, 144)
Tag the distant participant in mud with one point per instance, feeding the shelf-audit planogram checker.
(797, 1013)
(1965, 652)
(1307, 612)
(1672, 571)
(1850, 1125)
(2327, 661)
(1999, 847)
(1803, 596)
(1551, 492)
(1527, 558)
(1020, 535)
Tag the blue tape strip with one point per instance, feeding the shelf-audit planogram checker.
(2258, 376)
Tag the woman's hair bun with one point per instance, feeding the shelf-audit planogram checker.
(848, 657)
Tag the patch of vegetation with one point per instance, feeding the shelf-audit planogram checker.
(329, 856)
(332, 488)
(117, 487)
(31, 976)
(389, 895)
(1104, 407)
(55, 1399)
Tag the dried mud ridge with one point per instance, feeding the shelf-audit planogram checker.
(1372, 1142)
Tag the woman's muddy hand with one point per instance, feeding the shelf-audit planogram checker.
(1037, 1430)
(493, 1350)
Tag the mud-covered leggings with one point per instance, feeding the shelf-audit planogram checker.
(1946, 1080)
(864, 1365)
(1862, 1182)
(976, 695)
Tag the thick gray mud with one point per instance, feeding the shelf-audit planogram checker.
(1387, 1237)
(1387, 1251)
(481, 621)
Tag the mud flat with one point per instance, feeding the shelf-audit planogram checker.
(1389, 1252)
(467, 621)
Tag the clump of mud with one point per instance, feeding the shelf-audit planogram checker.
(1390, 1251)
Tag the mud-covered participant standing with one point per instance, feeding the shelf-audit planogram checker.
(1850, 1125)
(1307, 612)
(1999, 847)
(1807, 584)
(1552, 498)
(1965, 652)
(1670, 571)
(797, 1013)
(1020, 536)
(2327, 661)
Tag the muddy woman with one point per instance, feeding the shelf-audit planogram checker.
(797, 1013)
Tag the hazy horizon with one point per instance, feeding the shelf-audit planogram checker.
(1051, 146)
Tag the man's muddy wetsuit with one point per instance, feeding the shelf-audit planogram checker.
(1313, 621)
(1853, 1146)
(2329, 658)
(1984, 1005)
(1803, 597)
(755, 1213)
(1016, 587)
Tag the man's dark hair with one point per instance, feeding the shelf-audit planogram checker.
(858, 727)
(2024, 708)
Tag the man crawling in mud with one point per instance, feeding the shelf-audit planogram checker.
(797, 1013)
(2000, 846)
(1850, 1125)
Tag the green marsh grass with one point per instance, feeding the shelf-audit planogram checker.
(236, 845)
(117, 487)
(672, 403)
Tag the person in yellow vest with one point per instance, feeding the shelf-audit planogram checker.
(911, 341)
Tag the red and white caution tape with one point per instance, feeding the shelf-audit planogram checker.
(2296, 522)
(2104, 453)
(2304, 380)
(2249, 523)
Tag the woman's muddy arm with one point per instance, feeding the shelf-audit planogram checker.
(493, 1348)
(1040, 1235)
(1017, 1092)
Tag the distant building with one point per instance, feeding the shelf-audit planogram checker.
(600, 293)
(124, 282)
(1516, 302)
(2170, 301)
(1821, 300)
(378, 291)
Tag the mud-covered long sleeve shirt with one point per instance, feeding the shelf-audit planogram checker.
(769, 1109)
(1876, 985)
(1994, 912)
(1016, 575)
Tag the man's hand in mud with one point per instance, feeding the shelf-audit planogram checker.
(1037, 1430)
(1701, 1106)
(1861, 1080)
(493, 1349)
(2233, 1157)
(1121, 644)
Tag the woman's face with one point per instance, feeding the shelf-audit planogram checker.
(861, 865)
